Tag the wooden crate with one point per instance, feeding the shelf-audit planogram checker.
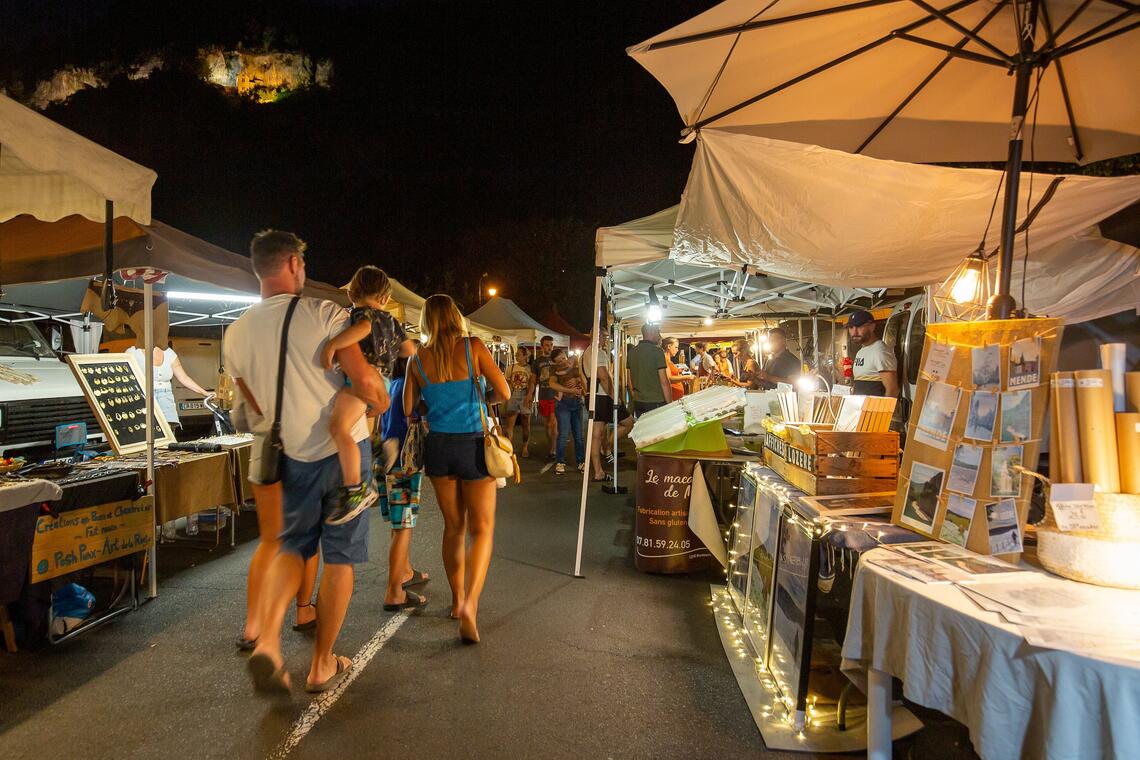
(823, 462)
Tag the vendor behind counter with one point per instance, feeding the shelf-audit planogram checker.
(876, 368)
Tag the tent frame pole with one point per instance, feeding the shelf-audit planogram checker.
(595, 341)
(619, 392)
(148, 341)
(1002, 304)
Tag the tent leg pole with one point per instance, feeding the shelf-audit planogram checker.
(815, 341)
(595, 335)
(1002, 304)
(148, 340)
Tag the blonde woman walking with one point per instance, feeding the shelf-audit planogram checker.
(450, 376)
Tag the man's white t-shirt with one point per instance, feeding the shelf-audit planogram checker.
(251, 353)
(587, 363)
(873, 359)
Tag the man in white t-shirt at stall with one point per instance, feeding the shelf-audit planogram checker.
(876, 369)
(310, 473)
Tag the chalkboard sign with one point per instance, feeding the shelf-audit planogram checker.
(114, 387)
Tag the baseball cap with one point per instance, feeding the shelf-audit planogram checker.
(860, 318)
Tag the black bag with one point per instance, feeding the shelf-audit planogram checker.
(272, 449)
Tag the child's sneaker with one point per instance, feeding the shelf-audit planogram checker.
(353, 501)
(559, 469)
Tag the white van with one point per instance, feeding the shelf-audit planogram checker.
(37, 391)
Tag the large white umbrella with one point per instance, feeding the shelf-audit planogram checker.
(905, 80)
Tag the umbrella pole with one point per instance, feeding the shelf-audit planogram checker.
(1002, 304)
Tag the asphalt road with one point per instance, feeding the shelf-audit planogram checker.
(616, 665)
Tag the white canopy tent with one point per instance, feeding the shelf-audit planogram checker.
(508, 320)
(50, 172)
(825, 216)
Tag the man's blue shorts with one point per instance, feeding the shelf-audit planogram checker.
(310, 493)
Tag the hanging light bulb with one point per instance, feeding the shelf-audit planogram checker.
(653, 315)
(964, 294)
(708, 321)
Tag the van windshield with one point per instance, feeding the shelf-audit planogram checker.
(23, 340)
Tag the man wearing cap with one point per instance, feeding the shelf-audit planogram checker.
(876, 369)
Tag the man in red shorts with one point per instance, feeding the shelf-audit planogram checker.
(541, 370)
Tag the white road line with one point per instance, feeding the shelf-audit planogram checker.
(324, 702)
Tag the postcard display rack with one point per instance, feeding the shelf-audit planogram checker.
(773, 576)
(975, 432)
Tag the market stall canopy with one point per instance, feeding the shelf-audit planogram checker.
(906, 80)
(638, 241)
(504, 315)
(51, 172)
(578, 339)
(823, 216)
(690, 293)
(70, 251)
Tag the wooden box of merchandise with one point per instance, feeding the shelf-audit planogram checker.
(822, 462)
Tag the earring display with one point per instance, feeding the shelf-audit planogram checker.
(115, 390)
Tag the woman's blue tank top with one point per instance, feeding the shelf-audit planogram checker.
(453, 406)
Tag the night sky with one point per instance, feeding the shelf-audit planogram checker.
(456, 139)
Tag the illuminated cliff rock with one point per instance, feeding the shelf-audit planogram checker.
(264, 77)
(63, 84)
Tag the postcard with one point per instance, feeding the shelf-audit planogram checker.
(964, 469)
(1004, 479)
(1016, 416)
(987, 367)
(1025, 363)
(938, 361)
(939, 409)
(978, 566)
(983, 416)
(959, 516)
(1001, 520)
(921, 499)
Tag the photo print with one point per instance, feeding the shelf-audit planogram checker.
(1016, 416)
(964, 469)
(983, 416)
(975, 566)
(938, 412)
(938, 361)
(920, 504)
(987, 368)
(1004, 479)
(959, 516)
(1001, 519)
(1025, 363)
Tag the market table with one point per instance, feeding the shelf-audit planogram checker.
(186, 482)
(1017, 700)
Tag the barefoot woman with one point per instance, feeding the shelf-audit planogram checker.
(450, 375)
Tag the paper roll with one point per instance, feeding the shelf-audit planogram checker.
(1112, 358)
(1128, 449)
(1054, 441)
(1068, 441)
(1132, 391)
(1097, 429)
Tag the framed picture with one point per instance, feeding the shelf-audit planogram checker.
(115, 390)
(920, 502)
(792, 614)
(757, 613)
(851, 504)
(740, 541)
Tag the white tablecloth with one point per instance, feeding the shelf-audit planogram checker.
(1018, 701)
(20, 493)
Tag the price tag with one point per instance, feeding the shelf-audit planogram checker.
(1073, 506)
(1090, 382)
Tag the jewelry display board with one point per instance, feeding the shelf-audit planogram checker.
(115, 390)
(978, 420)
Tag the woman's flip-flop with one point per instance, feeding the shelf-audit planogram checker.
(246, 645)
(417, 579)
(307, 625)
(268, 677)
(412, 601)
(343, 666)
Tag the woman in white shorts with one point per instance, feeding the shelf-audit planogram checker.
(518, 406)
